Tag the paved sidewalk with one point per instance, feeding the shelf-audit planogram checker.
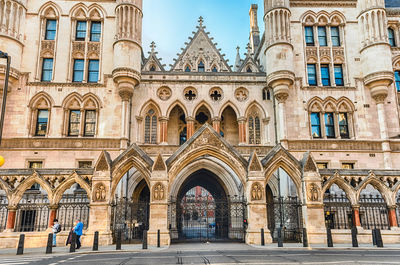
(189, 247)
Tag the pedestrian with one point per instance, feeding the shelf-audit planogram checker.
(78, 231)
(56, 229)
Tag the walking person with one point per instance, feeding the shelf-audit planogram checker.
(56, 229)
(78, 231)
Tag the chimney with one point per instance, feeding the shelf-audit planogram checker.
(254, 30)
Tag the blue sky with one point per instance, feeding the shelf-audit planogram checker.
(169, 23)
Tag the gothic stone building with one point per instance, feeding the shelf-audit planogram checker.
(303, 132)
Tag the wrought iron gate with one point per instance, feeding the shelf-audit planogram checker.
(131, 218)
(286, 213)
(203, 218)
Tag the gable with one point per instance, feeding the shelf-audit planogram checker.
(201, 48)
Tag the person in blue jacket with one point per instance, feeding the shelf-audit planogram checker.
(78, 231)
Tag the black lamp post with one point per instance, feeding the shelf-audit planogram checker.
(4, 55)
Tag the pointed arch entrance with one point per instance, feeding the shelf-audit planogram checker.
(203, 210)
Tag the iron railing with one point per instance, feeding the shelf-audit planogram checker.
(398, 209)
(33, 213)
(338, 211)
(3, 212)
(72, 207)
(373, 212)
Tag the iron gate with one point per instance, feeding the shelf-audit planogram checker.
(373, 212)
(286, 212)
(203, 218)
(131, 218)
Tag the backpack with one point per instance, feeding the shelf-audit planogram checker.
(59, 228)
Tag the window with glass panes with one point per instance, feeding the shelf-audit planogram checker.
(322, 165)
(80, 30)
(85, 164)
(329, 125)
(309, 33)
(254, 129)
(79, 65)
(397, 80)
(47, 69)
(338, 75)
(343, 125)
(201, 67)
(325, 77)
(90, 123)
(187, 68)
(51, 27)
(392, 40)
(322, 36)
(315, 125)
(312, 74)
(150, 127)
(41, 123)
(93, 71)
(95, 31)
(347, 165)
(335, 36)
(74, 122)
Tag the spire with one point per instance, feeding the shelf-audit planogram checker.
(254, 30)
(238, 60)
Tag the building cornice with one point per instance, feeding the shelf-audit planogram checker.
(323, 3)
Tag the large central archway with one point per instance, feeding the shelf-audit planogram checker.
(204, 211)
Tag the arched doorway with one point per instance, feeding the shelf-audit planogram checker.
(203, 211)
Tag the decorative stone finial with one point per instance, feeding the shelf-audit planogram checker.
(201, 20)
(153, 46)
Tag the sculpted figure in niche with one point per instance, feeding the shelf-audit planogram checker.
(256, 192)
(100, 193)
(158, 192)
(313, 192)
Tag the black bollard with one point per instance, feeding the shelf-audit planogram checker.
(118, 244)
(20, 249)
(73, 242)
(49, 247)
(329, 235)
(262, 237)
(158, 238)
(280, 239)
(374, 237)
(379, 241)
(96, 241)
(305, 239)
(144, 245)
(354, 240)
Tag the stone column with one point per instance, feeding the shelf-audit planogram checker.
(281, 98)
(242, 130)
(189, 127)
(12, 212)
(392, 216)
(52, 214)
(125, 97)
(163, 130)
(356, 215)
(216, 123)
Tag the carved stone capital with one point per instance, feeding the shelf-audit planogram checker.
(242, 119)
(380, 98)
(216, 119)
(125, 94)
(190, 119)
(281, 97)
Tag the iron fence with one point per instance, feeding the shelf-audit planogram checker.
(72, 207)
(131, 218)
(204, 218)
(398, 209)
(3, 212)
(33, 213)
(338, 211)
(373, 212)
(288, 216)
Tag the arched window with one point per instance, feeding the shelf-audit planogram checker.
(249, 70)
(392, 40)
(254, 129)
(201, 67)
(187, 69)
(214, 69)
(152, 68)
(40, 109)
(150, 127)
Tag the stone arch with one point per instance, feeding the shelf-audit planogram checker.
(50, 7)
(231, 182)
(203, 103)
(90, 97)
(79, 11)
(94, 10)
(323, 18)
(337, 18)
(146, 106)
(41, 96)
(177, 127)
(395, 191)
(350, 192)
(308, 18)
(26, 184)
(396, 62)
(345, 105)
(315, 105)
(4, 186)
(378, 185)
(173, 105)
(255, 105)
(74, 96)
(136, 179)
(330, 105)
(229, 104)
(66, 184)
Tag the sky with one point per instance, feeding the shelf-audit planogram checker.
(169, 23)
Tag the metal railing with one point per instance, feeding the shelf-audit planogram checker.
(373, 212)
(338, 211)
(73, 207)
(3, 212)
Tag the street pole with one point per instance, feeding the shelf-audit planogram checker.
(5, 88)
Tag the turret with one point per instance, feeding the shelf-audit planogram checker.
(376, 61)
(279, 54)
(127, 56)
(12, 20)
(254, 30)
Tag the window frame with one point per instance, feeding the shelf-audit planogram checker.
(347, 135)
(76, 71)
(91, 71)
(322, 39)
(77, 30)
(397, 80)
(336, 43)
(329, 118)
(325, 69)
(47, 70)
(391, 37)
(92, 34)
(350, 164)
(86, 122)
(318, 125)
(314, 66)
(48, 30)
(308, 37)
(70, 122)
(38, 122)
(337, 77)
(151, 127)
(201, 66)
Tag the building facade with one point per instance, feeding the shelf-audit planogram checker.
(303, 132)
